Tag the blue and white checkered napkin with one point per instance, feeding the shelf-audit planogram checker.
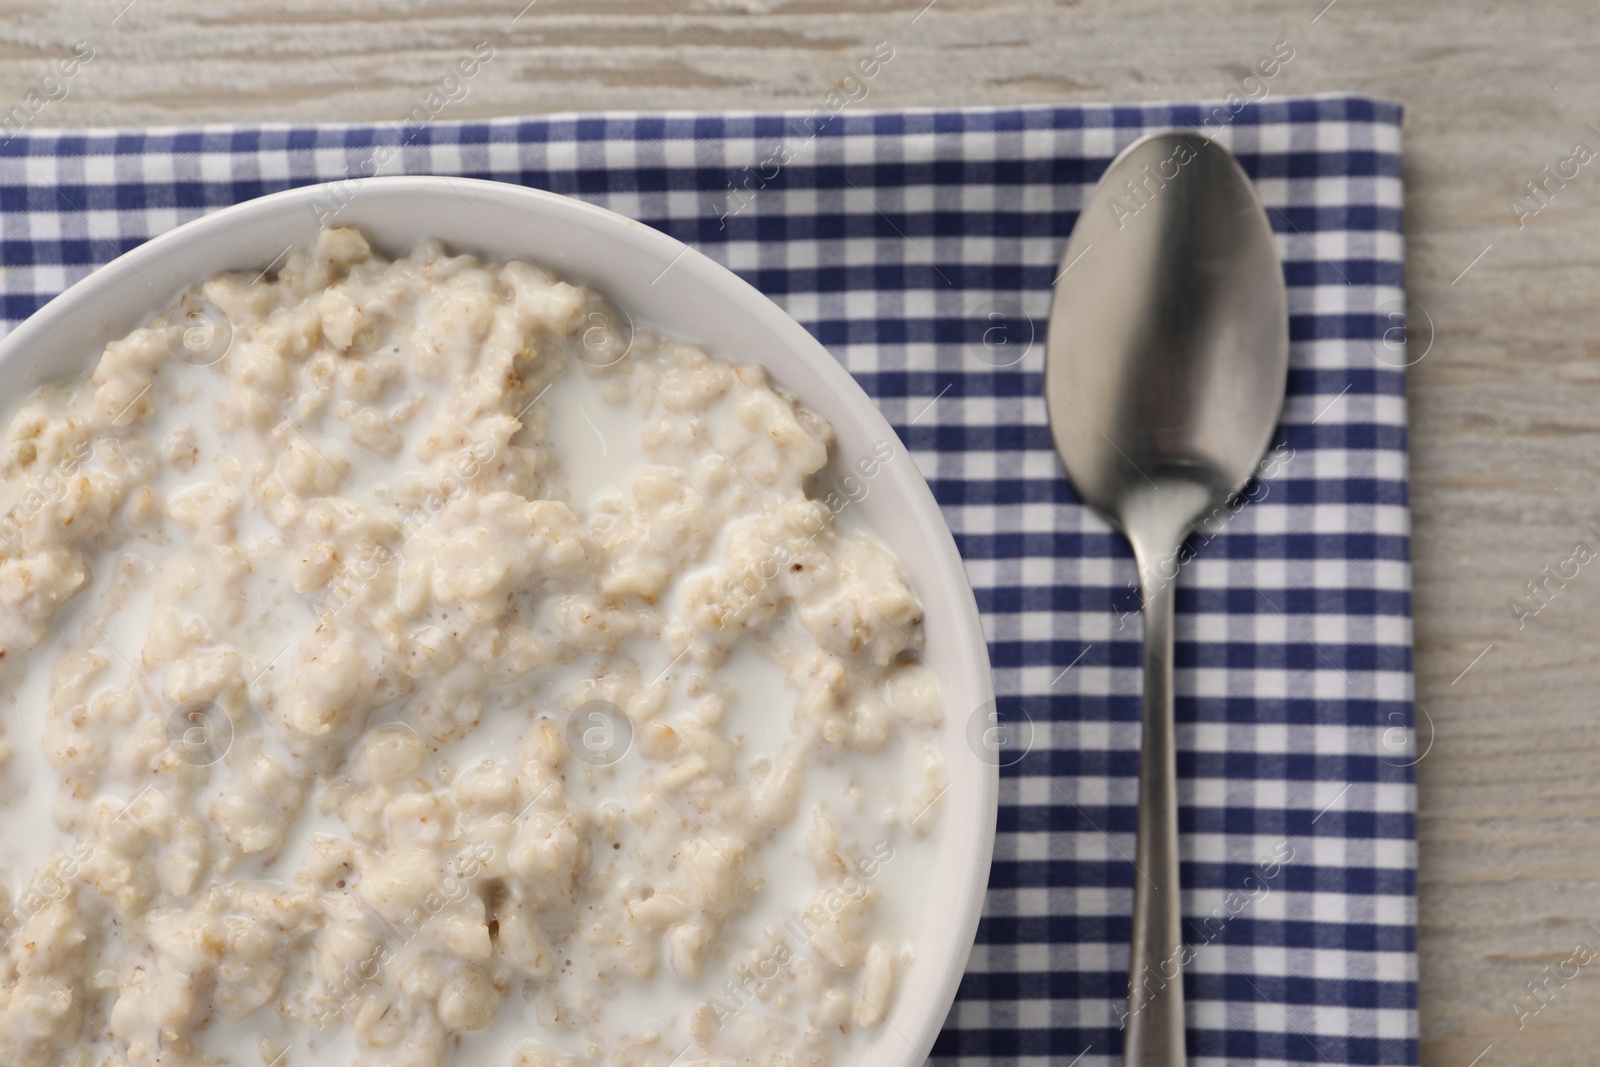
(920, 248)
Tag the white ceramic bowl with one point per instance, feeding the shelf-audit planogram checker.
(669, 285)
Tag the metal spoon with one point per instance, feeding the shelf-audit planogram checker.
(1165, 370)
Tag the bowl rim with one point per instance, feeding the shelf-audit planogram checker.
(72, 309)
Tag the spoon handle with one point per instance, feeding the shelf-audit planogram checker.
(1154, 1022)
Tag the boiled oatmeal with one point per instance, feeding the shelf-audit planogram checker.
(412, 662)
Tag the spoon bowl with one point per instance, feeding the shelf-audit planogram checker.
(1168, 347)
(1165, 370)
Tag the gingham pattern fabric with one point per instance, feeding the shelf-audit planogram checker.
(920, 248)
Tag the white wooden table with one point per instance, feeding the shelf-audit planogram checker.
(1505, 405)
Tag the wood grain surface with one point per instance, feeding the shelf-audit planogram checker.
(1505, 405)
